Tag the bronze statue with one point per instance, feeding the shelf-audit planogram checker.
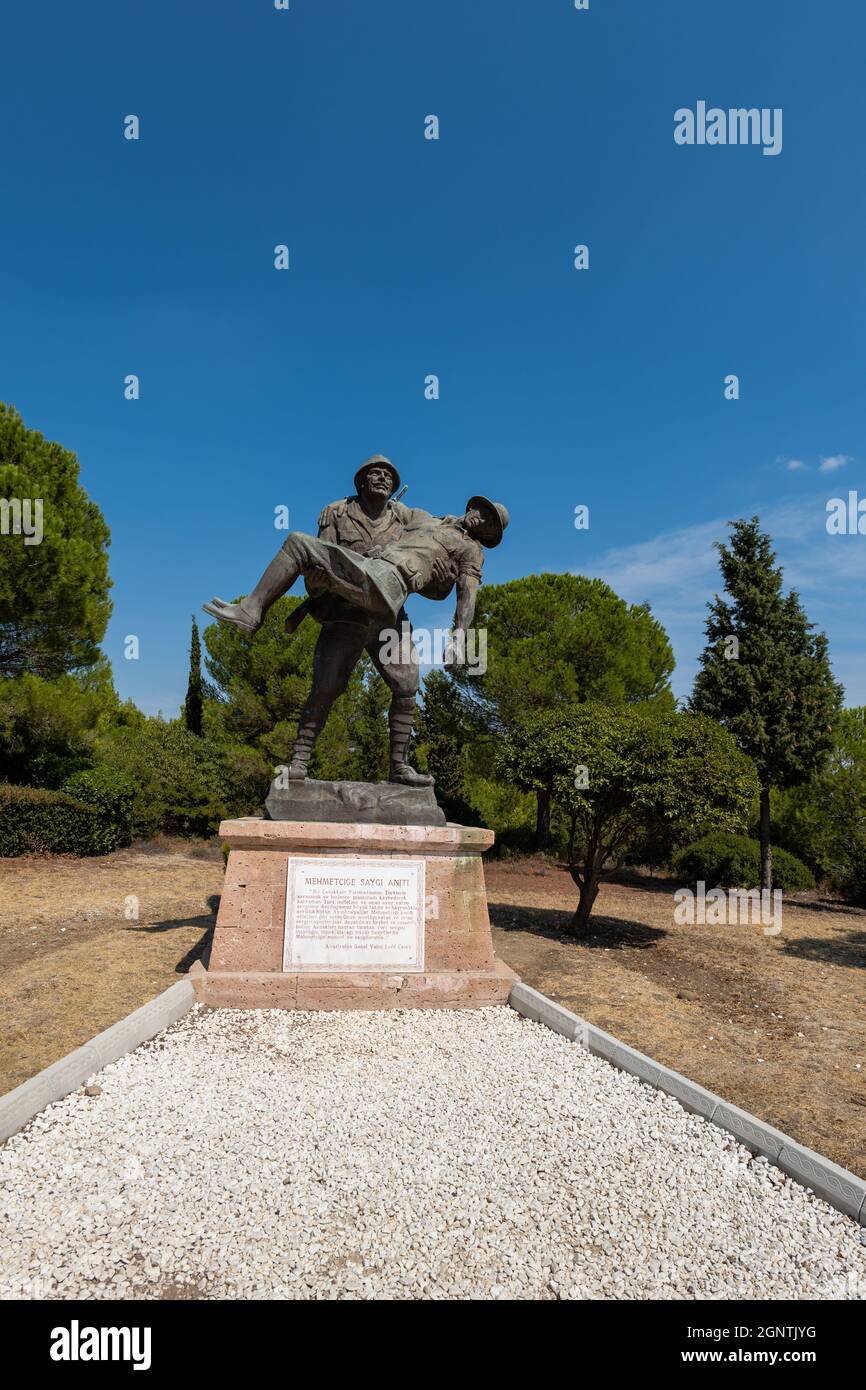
(371, 552)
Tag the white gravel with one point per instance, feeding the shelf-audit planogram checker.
(398, 1155)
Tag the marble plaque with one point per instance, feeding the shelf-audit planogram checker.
(355, 915)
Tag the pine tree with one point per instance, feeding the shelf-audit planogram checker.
(555, 639)
(445, 736)
(367, 719)
(765, 672)
(54, 583)
(194, 702)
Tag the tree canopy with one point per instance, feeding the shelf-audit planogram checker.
(824, 820)
(765, 673)
(556, 639)
(628, 778)
(559, 639)
(54, 604)
(49, 728)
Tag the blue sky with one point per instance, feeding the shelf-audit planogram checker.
(455, 257)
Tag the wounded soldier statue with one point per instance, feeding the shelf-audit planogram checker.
(370, 554)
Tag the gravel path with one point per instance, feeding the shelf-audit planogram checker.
(397, 1155)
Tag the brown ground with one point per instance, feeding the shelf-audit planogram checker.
(775, 1024)
(71, 964)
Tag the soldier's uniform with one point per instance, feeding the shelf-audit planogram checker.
(433, 554)
(347, 630)
(346, 523)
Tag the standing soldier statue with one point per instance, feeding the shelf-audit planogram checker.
(371, 552)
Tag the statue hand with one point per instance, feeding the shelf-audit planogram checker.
(455, 651)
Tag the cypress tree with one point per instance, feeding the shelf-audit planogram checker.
(765, 673)
(194, 702)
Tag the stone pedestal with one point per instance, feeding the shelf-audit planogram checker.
(255, 964)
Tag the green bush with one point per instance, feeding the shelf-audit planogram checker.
(33, 820)
(734, 861)
(824, 820)
(513, 842)
(853, 880)
(185, 784)
(48, 728)
(110, 793)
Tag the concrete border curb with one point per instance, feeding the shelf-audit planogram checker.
(843, 1190)
(56, 1081)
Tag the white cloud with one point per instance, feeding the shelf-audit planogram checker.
(796, 466)
(829, 465)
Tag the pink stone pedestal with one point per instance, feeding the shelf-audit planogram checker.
(245, 966)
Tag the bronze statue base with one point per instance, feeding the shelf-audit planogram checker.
(358, 803)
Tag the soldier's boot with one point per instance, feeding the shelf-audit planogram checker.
(248, 615)
(313, 717)
(308, 731)
(400, 722)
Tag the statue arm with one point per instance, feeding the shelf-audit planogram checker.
(328, 524)
(413, 516)
(467, 588)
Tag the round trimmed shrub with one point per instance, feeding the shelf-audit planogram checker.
(725, 860)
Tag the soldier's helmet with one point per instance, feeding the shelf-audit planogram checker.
(377, 461)
(500, 514)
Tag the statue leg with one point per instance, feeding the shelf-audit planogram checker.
(337, 571)
(337, 651)
(403, 679)
(249, 614)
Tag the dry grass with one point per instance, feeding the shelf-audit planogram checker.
(72, 964)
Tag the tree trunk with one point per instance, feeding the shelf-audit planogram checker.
(588, 893)
(542, 820)
(766, 851)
